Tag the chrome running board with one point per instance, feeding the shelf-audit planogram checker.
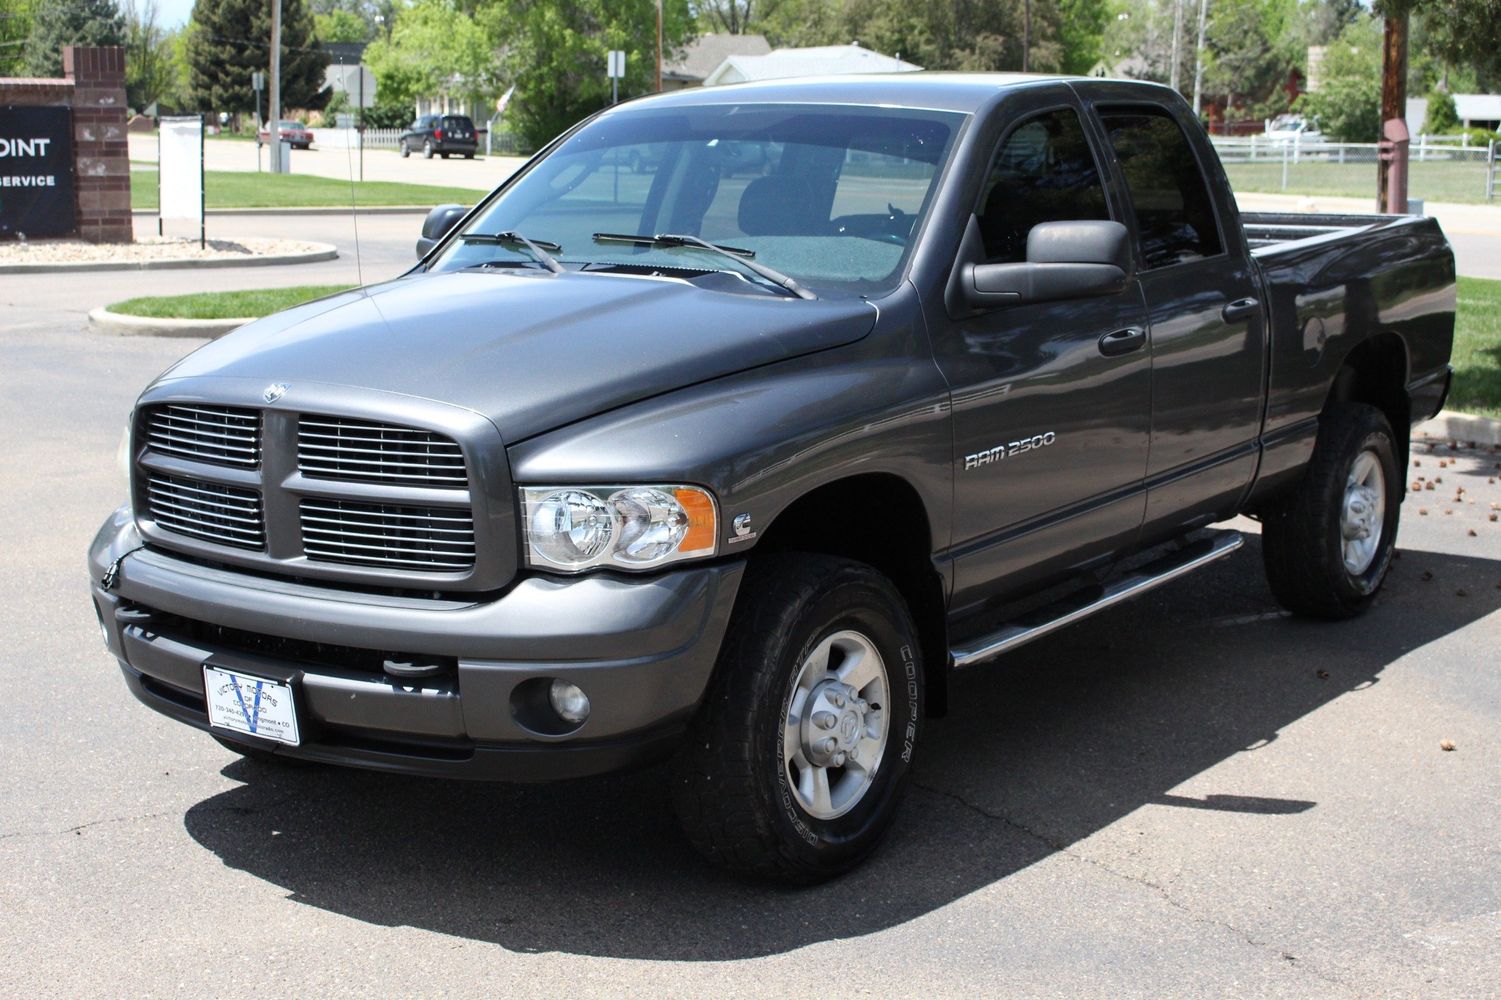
(1084, 603)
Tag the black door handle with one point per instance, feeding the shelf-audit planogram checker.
(1113, 345)
(1240, 309)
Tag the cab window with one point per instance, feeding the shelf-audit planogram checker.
(1174, 215)
(1044, 171)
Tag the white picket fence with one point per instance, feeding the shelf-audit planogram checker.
(501, 144)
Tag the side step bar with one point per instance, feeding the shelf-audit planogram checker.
(1084, 603)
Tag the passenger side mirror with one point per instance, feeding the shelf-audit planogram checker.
(437, 224)
(1065, 260)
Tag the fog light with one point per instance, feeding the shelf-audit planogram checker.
(569, 701)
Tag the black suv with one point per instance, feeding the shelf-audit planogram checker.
(441, 134)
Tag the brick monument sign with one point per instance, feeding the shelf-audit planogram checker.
(64, 162)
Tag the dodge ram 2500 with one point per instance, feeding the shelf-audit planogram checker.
(734, 467)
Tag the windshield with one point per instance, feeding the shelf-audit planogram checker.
(829, 195)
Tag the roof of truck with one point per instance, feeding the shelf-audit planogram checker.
(965, 92)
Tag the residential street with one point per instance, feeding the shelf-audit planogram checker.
(1190, 795)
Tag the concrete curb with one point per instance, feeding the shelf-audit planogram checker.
(122, 325)
(316, 210)
(327, 251)
(1463, 428)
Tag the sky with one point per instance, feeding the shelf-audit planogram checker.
(173, 13)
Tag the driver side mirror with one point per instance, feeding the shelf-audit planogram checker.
(1065, 260)
(436, 226)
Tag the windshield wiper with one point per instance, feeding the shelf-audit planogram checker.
(537, 248)
(736, 254)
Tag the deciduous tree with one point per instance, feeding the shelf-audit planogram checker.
(57, 23)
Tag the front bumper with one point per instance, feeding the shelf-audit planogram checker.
(642, 649)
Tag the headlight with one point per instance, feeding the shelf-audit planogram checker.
(573, 528)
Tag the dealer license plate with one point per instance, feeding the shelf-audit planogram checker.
(254, 706)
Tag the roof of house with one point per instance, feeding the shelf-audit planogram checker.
(824, 60)
(1478, 107)
(701, 56)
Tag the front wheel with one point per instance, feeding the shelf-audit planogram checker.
(795, 764)
(1328, 545)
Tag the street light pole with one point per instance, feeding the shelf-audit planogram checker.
(1173, 77)
(659, 46)
(273, 133)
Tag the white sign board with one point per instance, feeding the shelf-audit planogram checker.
(349, 80)
(180, 162)
(617, 64)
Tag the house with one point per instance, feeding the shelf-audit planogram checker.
(704, 54)
(823, 60)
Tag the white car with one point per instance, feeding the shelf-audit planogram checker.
(1293, 128)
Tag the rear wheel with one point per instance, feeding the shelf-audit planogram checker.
(427, 150)
(468, 156)
(405, 149)
(1328, 545)
(444, 155)
(795, 764)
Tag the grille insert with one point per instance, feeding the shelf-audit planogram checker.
(229, 515)
(223, 435)
(364, 451)
(396, 536)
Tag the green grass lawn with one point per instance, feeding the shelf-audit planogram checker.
(1477, 349)
(238, 189)
(1433, 180)
(224, 305)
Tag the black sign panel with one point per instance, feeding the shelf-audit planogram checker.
(36, 172)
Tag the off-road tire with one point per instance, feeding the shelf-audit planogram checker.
(730, 784)
(1301, 535)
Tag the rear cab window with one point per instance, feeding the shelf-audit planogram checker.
(1175, 216)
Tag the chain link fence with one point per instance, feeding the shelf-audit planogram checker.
(1440, 168)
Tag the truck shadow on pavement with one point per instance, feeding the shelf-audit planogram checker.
(1062, 739)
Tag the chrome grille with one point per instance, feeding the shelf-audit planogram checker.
(223, 435)
(399, 536)
(364, 451)
(229, 515)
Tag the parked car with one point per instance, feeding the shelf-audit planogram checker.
(441, 134)
(739, 476)
(293, 132)
(1295, 129)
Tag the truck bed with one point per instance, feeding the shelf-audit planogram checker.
(1270, 229)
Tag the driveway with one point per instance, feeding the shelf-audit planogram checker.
(1190, 795)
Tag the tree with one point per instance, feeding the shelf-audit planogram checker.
(15, 25)
(342, 26)
(1442, 118)
(1081, 34)
(150, 69)
(1465, 34)
(70, 22)
(435, 49)
(227, 40)
(555, 55)
(1347, 105)
(1249, 53)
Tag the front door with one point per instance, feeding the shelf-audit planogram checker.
(1050, 433)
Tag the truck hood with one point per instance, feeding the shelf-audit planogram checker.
(529, 350)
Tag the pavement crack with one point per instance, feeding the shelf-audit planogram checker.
(1054, 844)
(144, 817)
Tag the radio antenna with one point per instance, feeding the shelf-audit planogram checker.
(354, 212)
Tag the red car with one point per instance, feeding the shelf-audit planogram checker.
(294, 132)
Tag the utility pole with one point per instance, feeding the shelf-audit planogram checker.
(1173, 78)
(1391, 180)
(1199, 59)
(1026, 36)
(273, 131)
(659, 46)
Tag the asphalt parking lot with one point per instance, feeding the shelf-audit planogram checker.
(1189, 795)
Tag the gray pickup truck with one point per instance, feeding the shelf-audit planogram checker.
(734, 467)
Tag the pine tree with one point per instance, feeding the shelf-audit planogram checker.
(228, 40)
(70, 22)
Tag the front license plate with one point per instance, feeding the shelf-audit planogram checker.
(254, 706)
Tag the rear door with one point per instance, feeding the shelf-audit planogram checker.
(1050, 433)
(1208, 339)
